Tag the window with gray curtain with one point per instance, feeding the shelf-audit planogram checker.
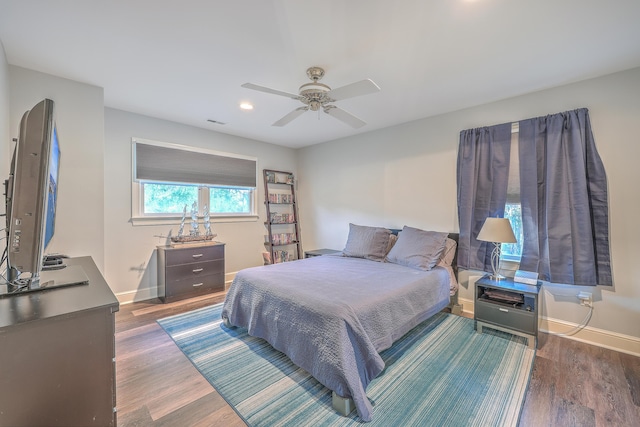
(167, 164)
(563, 192)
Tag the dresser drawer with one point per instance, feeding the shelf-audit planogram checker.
(194, 270)
(193, 254)
(502, 315)
(193, 286)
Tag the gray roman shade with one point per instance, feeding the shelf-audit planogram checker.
(167, 164)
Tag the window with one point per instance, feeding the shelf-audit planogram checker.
(513, 208)
(167, 178)
(513, 251)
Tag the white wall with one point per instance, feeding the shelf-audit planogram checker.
(407, 175)
(5, 135)
(131, 250)
(79, 110)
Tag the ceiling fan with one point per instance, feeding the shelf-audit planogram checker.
(318, 96)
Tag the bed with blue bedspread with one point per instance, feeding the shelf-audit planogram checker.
(332, 315)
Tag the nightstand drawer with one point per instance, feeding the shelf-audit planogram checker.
(502, 315)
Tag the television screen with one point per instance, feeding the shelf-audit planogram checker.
(52, 192)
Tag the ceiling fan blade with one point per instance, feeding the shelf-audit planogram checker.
(289, 117)
(363, 87)
(344, 116)
(269, 90)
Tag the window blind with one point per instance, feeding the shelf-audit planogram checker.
(513, 184)
(165, 164)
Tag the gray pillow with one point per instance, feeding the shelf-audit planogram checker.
(417, 248)
(367, 242)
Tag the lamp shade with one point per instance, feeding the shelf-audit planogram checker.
(497, 230)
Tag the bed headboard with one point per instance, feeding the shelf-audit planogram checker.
(454, 263)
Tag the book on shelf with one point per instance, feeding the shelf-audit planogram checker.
(278, 257)
(279, 178)
(282, 218)
(280, 198)
(281, 238)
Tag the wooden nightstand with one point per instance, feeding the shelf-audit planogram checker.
(507, 306)
(320, 252)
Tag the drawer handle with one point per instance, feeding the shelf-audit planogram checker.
(503, 309)
(197, 270)
(195, 285)
(196, 255)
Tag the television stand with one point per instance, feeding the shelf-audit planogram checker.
(68, 275)
(57, 353)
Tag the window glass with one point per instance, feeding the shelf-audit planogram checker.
(230, 200)
(513, 251)
(171, 199)
(160, 198)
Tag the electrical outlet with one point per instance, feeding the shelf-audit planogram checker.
(586, 298)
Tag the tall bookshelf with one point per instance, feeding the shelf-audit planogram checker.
(282, 241)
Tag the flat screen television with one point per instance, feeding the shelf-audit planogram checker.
(31, 195)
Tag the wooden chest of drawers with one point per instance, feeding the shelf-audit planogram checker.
(191, 270)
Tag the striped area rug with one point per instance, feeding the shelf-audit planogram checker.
(442, 373)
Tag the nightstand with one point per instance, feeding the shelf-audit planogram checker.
(320, 252)
(507, 306)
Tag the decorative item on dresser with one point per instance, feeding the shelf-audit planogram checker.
(507, 306)
(188, 270)
(282, 240)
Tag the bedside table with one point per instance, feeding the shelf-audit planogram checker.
(507, 306)
(320, 252)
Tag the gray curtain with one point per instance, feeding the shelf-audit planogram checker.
(564, 201)
(483, 173)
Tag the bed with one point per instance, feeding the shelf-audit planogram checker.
(332, 315)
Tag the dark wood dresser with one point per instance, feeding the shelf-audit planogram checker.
(57, 354)
(185, 271)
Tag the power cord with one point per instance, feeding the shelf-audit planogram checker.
(578, 327)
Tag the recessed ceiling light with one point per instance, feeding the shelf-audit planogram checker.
(246, 106)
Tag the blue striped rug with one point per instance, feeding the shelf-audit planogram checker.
(442, 373)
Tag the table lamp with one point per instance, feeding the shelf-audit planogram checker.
(496, 231)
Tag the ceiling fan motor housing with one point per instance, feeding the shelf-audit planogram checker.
(314, 95)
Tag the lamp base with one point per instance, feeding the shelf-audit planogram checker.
(497, 277)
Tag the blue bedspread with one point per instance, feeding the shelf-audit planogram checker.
(331, 315)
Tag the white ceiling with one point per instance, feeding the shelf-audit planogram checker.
(185, 60)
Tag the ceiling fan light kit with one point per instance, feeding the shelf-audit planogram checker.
(318, 96)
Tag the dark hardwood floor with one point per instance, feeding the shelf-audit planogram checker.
(573, 384)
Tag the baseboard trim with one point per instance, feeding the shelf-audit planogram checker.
(588, 335)
(137, 295)
(152, 292)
